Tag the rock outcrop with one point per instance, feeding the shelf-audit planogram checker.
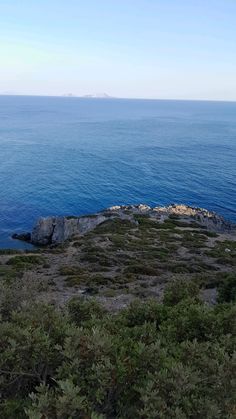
(208, 219)
(55, 230)
(25, 237)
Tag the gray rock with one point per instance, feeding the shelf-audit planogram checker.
(208, 219)
(55, 230)
(43, 231)
(25, 237)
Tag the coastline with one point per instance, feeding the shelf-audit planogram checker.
(57, 229)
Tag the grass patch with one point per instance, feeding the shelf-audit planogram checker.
(227, 289)
(178, 268)
(161, 254)
(224, 252)
(114, 226)
(109, 293)
(193, 240)
(190, 267)
(24, 261)
(146, 222)
(209, 233)
(140, 270)
(210, 280)
(89, 280)
(118, 241)
(71, 270)
(96, 255)
(10, 251)
(9, 273)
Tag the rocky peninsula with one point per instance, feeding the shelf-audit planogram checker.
(56, 230)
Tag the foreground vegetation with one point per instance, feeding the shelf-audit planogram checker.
(150, 360)
(77, 343)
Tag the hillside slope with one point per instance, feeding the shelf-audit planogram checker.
(135, 318)
(128, 252)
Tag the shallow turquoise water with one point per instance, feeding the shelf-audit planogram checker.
(78, 156)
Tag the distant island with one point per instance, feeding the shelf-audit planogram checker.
(99, 96)
(68, 95)
(91, 96)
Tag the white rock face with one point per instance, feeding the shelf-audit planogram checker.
(115, 208)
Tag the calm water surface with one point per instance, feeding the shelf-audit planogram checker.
(78, 156)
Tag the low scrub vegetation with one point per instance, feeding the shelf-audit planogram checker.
(24, 260)
(224, 252)
(170, 360)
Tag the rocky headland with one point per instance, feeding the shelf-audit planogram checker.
(56, 230)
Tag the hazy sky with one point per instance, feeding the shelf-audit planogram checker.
(183, 49)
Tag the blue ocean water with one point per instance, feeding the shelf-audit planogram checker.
(77, 156)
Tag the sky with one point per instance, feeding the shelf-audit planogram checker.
(158, 49)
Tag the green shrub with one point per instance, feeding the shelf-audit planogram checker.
(178, 290)
(139, 313)
(18, 292)
(151, 360)
(224, 252)
(30, 350)
(115, 225)
(9, 273)
(188, 321)
(227, 289)
(71, 270)
(13, 408)
(140, 269)
(81, 310)
(21, 261)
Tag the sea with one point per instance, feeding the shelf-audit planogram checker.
(73, 156)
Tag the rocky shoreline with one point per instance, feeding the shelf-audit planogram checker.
(56, 230)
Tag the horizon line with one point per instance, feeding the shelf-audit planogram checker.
(65, 96)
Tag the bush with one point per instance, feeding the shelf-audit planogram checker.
(24, 261)
(227, 289)
(30, 350)
(178, 290)
(81, 310)
(151, 360)
(14, 294)
(140, 270)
